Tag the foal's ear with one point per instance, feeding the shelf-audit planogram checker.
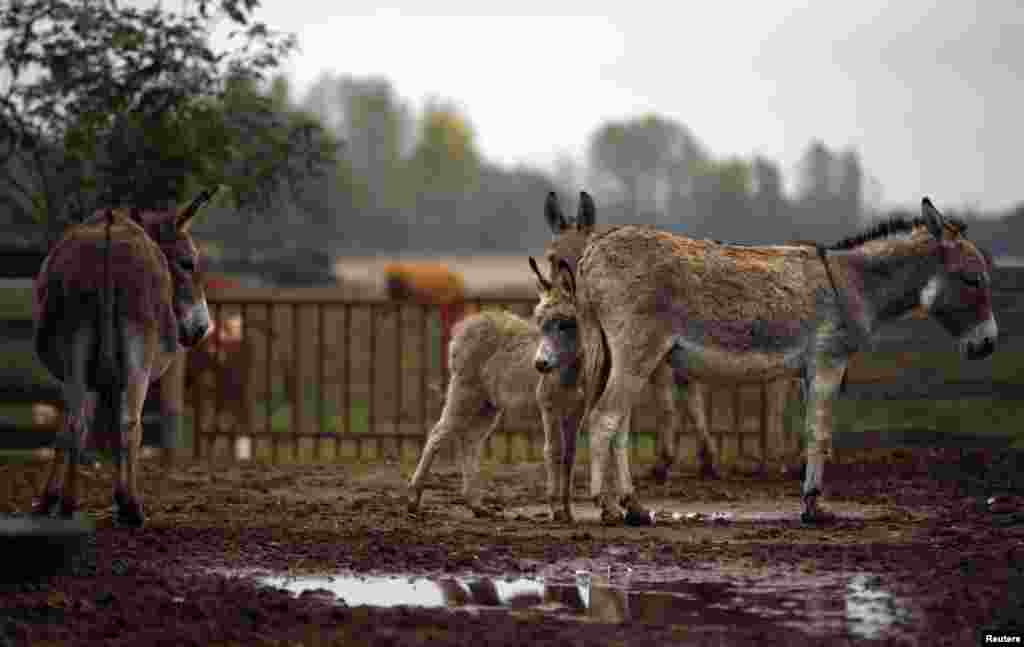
(934, 220)
(542, 282)
(184, 219)
(553, 214)
(587, 214)
(564, 279)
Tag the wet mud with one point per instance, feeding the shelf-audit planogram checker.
(327, 555)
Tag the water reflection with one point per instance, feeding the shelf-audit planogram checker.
(818, 606)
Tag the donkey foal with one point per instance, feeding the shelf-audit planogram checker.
(491, 356)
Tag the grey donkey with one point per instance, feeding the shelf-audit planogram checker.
(731, 313)
(569, 238)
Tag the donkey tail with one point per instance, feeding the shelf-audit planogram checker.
(596, 363)
(110, 377)
(107, 328)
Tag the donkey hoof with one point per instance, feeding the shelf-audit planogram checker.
(561, 516)
(68, 507)
(638, 516)
(480, 512)
(129, 512)
(814, 514)
(43, 506)
(709, 472)
(659, 473)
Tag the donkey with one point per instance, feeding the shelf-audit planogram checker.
(569, 239)
(114, 301)
(491, 358)
(735, 314)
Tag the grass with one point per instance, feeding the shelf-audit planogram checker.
(16, 303)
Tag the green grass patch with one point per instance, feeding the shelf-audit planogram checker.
(16, 303)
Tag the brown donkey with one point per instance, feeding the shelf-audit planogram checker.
(742, 313)
(569, 239)
(115, 299)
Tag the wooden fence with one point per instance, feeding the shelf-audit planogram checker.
(365, 377)
(323, 375)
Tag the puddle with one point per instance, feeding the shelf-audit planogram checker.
(817, 604)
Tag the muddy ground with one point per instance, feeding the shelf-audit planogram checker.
(915, 524)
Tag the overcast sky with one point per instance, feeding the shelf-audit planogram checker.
(927, 92)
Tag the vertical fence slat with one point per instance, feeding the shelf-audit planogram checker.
(218, 370)
(763, 427)
(267, 377)
(424, 376)
(321, 426)
(737, 419)
(347, 404)
(372, 413)
(245, 406)
(399, 379)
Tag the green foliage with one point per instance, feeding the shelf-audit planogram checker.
(113, 104)
(446, 157)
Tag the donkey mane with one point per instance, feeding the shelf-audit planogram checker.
(893, 225)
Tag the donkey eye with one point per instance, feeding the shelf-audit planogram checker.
(187, 264)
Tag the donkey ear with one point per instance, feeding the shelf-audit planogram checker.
(553, 214)
(544, 284)
(564, 279)
(934, 220)
(587, 214)
(184, 219)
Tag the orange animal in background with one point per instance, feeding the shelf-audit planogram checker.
(430, 283)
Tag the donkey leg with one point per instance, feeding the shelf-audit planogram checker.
(49, 496)
(707, 450)
(472, 456)
(551, 421)
(827, 379)
(669, 420)
(77, 414)
(609, 427)
(126, 495)
(569, 426)
(462, 405)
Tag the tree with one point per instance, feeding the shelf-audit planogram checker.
(111, 104)
(722, 195)
(445, 165)
(815, 185)
(850, 189)
(649, 158)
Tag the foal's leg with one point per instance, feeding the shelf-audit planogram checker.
(827, 377)
(462, 407)
(472, 455)
(552, 421)
(569, 427)
(707, 449)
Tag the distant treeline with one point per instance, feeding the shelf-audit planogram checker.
(406, 181)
